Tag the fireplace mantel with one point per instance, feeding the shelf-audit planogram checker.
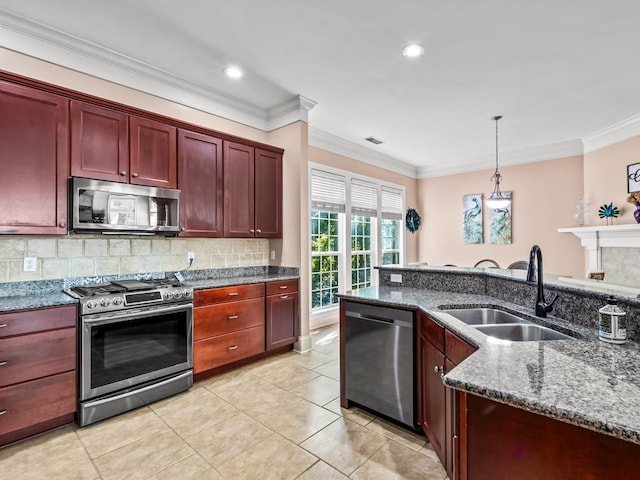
(595, 238)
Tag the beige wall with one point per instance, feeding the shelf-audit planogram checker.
(544, 199)
(605, 179)
(334, 160)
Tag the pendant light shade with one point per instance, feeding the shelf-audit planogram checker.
(497, 198)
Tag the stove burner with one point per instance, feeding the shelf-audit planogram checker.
(121, 286)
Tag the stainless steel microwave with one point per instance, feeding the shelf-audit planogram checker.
(98, 206)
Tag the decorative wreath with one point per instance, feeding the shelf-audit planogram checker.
(413, 220)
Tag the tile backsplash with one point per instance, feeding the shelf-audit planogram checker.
(87, 255)
(621, 265)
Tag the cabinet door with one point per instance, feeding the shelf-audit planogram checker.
(99, 143)
(238, 190)
(281, 320)
(433, 397)
(34, 154)
(153, 153)
(268, 199)
(200, 180)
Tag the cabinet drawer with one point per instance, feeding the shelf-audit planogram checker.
(37, 355)
(455, 348)
(18, 323)
(223, 349)
(227, 317)
(432, 331)
(283, 286)
(227, 294)
(37, 401)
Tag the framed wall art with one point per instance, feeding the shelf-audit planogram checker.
(472, 218)
(500, 223)
(633, 178)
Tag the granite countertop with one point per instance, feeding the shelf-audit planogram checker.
(584, 382)
(35, 300)
(241, 280)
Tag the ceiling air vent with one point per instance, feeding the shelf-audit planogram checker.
(374, 140)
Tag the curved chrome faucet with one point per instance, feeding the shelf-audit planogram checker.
(534, 271)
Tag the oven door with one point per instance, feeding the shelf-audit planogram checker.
(119, 350)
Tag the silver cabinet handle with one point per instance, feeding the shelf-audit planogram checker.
(2, 412)
(283, 287)
(258, 231)
(233, 347)
(438, 369)
(232, 317)
(2, 325)
(284, 297)
(134, 175)
(232, 294)
(252, 231)
(123, 173)
(62, 224)
(2, 364)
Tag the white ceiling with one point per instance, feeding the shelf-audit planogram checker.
(558, 71)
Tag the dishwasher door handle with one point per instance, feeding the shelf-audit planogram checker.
(373, 318)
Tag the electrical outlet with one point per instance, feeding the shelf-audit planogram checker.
(30, 264)
(191, 257)
(273, 254)
(396, 278)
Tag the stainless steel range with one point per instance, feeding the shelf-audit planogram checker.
(135, 345)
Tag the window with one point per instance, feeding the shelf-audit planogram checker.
(324, 258)
(356, 224)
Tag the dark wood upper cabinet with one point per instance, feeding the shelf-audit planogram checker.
(268, 199)
(99, 143)
(200, 180)
(153, 153)
(34, 154)
(239, 194)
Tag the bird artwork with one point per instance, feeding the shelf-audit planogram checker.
(609, 212)
(472, 219)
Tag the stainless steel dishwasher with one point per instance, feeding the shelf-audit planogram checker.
(380, 360)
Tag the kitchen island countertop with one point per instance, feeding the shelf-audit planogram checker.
(584, 382)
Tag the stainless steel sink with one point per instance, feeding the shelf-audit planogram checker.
(521, 332)
(484, 316)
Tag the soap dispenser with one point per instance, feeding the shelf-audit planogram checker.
(613, 326)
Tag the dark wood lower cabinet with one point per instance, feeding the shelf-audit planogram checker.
(504, 442)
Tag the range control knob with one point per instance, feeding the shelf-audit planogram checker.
(168, 295)
(187, 294)
(177, 294)
(118, 301)
(105, 302)
(91, 304)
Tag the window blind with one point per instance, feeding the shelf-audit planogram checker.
(327, 192)
(391, 203)
(364, 198)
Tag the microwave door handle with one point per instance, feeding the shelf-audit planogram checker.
(135, 315)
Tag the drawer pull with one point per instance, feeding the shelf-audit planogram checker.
(284, 297)
(232, 294)
(233, 347)
(2, 364)
(2, 325)
(283, 287)
(2, 412)
(232, 317)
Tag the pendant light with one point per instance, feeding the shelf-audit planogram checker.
(497, 198)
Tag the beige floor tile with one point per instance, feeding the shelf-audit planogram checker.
(326, 340)
(229, 438)
(58, 454)
(344, 445)
(191, 468)
(429, 452)
(331, 369)
(302, 420)
(322, 471)
(143, 458)
(311, 359)
(193, 411)
(285, 375)
(274, 458)
(397, 462)
(354, 414)
(113, 433)
(321, 390)
(239, 387)
(264, 403)
(399, 434)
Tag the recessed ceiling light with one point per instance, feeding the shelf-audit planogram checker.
(413, 50)
(233, 72)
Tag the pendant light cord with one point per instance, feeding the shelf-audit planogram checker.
(496, 176)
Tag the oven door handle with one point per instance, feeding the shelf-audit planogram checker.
(101, 320)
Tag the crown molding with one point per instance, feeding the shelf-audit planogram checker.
(615, 133)
(554, 151)
(332, 143)
(40, 41)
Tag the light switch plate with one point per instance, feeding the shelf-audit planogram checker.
(396, 277)
(30, 264)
